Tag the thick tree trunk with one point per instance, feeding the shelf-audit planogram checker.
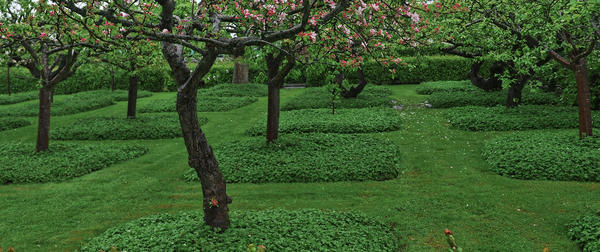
(583, 98)
(240, 72)
(515, 93)
(43, 120)
(132, 96)
(202, 159)
(491, 84)
(354, 91)
(8, 79)
(273, 112)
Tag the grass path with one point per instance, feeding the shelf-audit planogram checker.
(445, 184)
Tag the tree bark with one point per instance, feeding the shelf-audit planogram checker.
(43, 137)
(112, 79)
(240, 72)
(276, 77)
(583, 98)
(489, 84)
(8, 78)
(354, 91)
(132, 96)
(515, 92)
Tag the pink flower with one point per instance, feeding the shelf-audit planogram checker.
(43, 35)
(448, 232)
(83, 40)
(165, 31)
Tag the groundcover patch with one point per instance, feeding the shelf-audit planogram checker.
(307, 158)
(427, 88)
(313, 98)
(205, 104)
(123, 95)
(19, 163)
(67, 105)
(229, 90)
(324, 121)
(13, 123)
(586, 232)
(145, 126)
(523, 117)
(17, 97)
(545, 156)
(277, 230)
(488, 99)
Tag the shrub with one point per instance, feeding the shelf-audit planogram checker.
(488, 99)
(70, 104)
(586, 232)
(147, 126)
(229, 90)
(205, 104)
(123, 95)
(427, 88)
(343, 121)
(12, 123)
(523, 117)
(21, 164)
(18, 97)
(277, 230)
(307, 158)
(545, 156)
(319, 97)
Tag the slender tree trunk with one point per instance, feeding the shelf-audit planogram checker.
(273, 112)
(43, 120)
(8, 79)
(132, 96)
(112, 79)
(202, 159)
(583, 98)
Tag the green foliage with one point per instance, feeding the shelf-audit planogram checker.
(229, 90)
(123, 95)
(21, 164)
(7, 123)
(523, 117)
(586, 232)
(488, 99)
(545, 156)
(70, 104)
(205, 104)
(17, 97)
(313, 98)
(343, 121)
(307, 158)
(147, 126)
(277, 230)
(427, 88)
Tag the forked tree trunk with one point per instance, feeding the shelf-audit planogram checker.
(354, 91)
(43, 136)
(583, 98)
(132, 96)
(202, 159)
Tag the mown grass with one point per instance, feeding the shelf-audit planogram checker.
(445, 183)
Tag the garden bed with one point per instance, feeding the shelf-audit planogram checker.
(276, 230)
(427, 88)
(13, 123)
(364, 120)
(229, 90)
(545, 156)
(18, 97)
(205, 104)
(314, 98)
(488, 99)
(586, 232)
(66, 105)
(307, 158)
(19, 163)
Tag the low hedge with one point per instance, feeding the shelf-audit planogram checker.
(7, 123)
(488, 99)
(427, 88)
(70, 104)
(545, 156)
(229, 90)
(277, 230)
(21, 164)
(586, 232)
(307, 158)
(205, 104)
(364, 120)
(123, 95)
(524, 117)
(146, 126)
(18, 97)
(314, 98)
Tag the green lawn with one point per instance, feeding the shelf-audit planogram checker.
(445, 183)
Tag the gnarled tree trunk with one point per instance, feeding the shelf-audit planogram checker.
(354, 91)
(490, 84)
